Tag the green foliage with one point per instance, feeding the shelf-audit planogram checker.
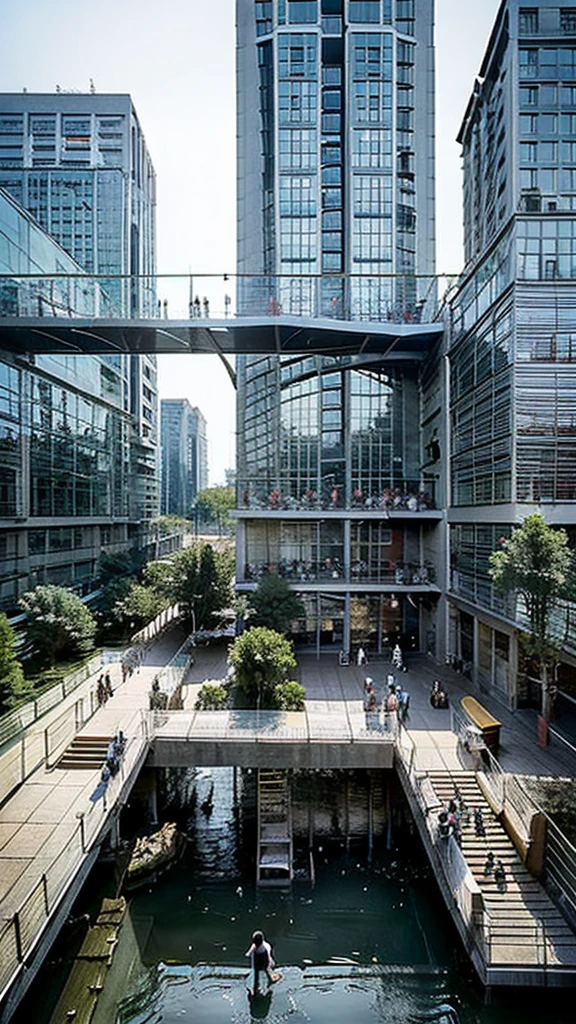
(13, 686)
(211, 697)
(274, 604)
(214, 505)
(169, 524)
(198, 578)
(537, 564)
(289, 696)
(115, 566)
(261, 659)
(57, 622)
(139, 605)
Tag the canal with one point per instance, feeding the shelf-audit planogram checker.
(367, 940)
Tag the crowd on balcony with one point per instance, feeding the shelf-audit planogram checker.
(399, 498)
(306, 571)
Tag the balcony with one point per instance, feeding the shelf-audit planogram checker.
(403, 499)
(330, 571)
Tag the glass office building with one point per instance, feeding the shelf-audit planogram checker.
(78, 163)
(513, 346)
(339, 485)
(64, 439)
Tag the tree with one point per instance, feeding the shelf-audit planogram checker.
(536, 564)
(198, 578)
(113, 566)
(57, 621)
(274, 604)
(261, 659)
(13, 686)
(214, 504)
(139, 604)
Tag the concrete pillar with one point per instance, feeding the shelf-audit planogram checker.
(346, 636)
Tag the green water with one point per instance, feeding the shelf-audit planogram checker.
(370, 943)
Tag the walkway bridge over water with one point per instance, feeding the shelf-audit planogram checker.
(52, 827)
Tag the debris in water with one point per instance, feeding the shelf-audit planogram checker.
(239, 891)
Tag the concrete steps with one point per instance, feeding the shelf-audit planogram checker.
(85, 752)
(525, 927)
(274, 855)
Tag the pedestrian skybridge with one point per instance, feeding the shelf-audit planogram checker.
(396, 318)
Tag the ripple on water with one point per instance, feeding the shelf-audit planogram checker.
(219, 996)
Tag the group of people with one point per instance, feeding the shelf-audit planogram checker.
(103, 689)
(403, 498)
(131, 661)
(114, 753)
(395, 701)
(451, 819)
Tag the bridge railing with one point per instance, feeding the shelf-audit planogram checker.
(24, 924)
(276, 726)
(397, 298)
(446, 853)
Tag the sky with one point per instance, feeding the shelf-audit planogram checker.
(176, 59)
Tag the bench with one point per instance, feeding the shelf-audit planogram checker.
(488, 725)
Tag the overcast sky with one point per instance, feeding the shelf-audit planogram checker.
(176, 59)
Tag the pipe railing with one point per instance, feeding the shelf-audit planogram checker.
(393, 298)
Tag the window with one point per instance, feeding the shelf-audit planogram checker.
(364, 11)
(302, 12)
(528, 124)
(568, 19)
(528, 21)
(528, 152)
(528, 63)
(529, 96)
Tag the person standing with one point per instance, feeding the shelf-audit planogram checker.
(361, 658)
(260, 952)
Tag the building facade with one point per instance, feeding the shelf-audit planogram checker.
(184, 456)
(512, 342)
(65, 430)
(339, 477)
(78, 162)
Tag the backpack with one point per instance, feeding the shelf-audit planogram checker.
(392, 702)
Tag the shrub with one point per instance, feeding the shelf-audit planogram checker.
(289, 696)
(211, 697)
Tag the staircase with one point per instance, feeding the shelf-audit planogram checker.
(526, 928)
(274, 853)
(85, 752)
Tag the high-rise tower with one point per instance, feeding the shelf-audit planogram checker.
(336, 220)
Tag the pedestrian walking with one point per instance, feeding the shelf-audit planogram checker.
(361, 657)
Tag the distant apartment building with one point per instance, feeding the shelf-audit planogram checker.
(184, 456)
(513, 336)
(78, 163)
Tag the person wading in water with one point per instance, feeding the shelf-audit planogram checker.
(261, 953)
